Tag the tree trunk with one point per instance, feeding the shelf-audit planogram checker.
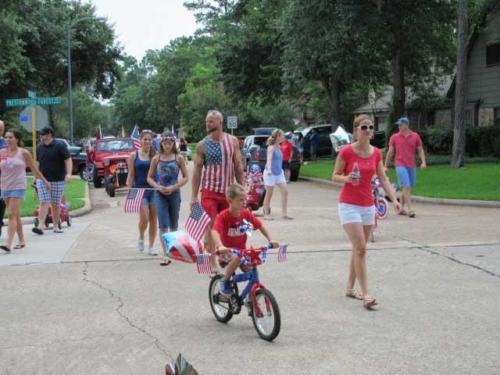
(458, 151)
(332, 88)
(398, 83)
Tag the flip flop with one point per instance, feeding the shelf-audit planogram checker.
(369, 302)
(402, 213)
(5, 248)
(58, 231)
(353, 294)
(20, 246)
(411, 213)
(165, 263)
(286, 217)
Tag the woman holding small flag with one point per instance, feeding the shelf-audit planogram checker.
(138, 168)
(166, 166)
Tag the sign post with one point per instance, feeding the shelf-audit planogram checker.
(232, 123)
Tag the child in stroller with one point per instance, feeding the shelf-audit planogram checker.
(64, 213)
(254, 186)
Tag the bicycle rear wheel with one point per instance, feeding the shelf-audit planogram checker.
(266, 315)
(220, 308)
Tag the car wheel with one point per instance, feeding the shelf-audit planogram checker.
(97, 179)
(294, 174)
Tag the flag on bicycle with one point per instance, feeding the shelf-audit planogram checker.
(136, 137)
(203, 264)
(134, 200)
(282, 253)
(198, 221)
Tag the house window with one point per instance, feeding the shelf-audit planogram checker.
(493, 54)
(496, 117)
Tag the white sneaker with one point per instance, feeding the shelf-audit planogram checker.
(152, 252)
(140, 245)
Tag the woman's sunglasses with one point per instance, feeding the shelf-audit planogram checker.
(366, 127)
(168, 138)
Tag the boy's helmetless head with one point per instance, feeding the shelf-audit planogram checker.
(236, 194)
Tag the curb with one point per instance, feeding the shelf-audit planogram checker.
(419, 199)
(87, 207)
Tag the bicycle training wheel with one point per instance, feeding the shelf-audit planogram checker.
(382, 208)
(266, 318)
(221, 309)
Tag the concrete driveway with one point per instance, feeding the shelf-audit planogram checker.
(104, 308)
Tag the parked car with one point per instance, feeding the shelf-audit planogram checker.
(325, 148)
(107, 152)
(255, 151)
(73, 150)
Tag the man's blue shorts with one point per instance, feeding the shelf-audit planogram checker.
(407, 176)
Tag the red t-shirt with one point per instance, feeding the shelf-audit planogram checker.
(228, 227)
(286, 149)
(406, 148)
(360, 194)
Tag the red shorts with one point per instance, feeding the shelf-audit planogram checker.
(213, 203)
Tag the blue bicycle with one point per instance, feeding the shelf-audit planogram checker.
(259, 301)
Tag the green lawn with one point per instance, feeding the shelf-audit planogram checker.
(74, 192)
(474, 181)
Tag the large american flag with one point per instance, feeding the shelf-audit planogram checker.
(198, 221)
(218, 173)
(136, 137)
(134, 200)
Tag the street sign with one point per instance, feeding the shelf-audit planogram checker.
(33, 100)
(41, 118)
(232, 122)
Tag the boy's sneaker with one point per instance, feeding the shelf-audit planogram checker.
(225, 288)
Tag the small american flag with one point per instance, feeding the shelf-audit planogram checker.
(134, 200)
(203, 264)
(197, 222)
(282, 253)
(136, 137)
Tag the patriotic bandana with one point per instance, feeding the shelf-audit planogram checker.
(246, 227)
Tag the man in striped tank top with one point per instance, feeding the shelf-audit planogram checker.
(217, 162)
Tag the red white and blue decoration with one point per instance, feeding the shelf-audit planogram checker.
(180, 246)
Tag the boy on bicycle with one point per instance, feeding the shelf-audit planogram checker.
(230, 231)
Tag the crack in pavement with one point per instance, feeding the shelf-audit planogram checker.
(118, 309)
(429, 250)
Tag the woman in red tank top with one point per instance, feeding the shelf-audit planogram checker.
(355, 167)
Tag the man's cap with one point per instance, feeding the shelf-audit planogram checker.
(46, 131)
(403, 121)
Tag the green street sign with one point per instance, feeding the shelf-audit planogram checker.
(33, 100)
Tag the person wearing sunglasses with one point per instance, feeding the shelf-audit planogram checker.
(405, 144)
(355, 167)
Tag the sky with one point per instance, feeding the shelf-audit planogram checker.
(146, 24)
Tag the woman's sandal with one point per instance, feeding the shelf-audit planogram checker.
(286, 217)
(369, 302)
(165, 263)
(5, 248)
(20, 246)
(352, 294)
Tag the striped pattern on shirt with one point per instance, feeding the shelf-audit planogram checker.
(218, 173)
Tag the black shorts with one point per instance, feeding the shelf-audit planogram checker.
(286, 164)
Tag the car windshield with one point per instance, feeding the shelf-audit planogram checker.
(115, 145)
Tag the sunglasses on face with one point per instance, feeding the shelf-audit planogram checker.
(366, 127)
(169, 138)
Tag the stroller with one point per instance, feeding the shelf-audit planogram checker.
(254, 186)
(63, 216)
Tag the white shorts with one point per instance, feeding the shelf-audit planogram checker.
(351, 213)
(271, 180)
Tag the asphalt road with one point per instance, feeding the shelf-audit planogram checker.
(86, 302)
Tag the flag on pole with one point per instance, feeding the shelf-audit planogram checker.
(123, 132)
(98, 134)
(282, 253)
(198, 221)
(134, 200)
(136, 137)
(203, 264)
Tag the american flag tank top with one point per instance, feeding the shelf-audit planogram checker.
(218, 173)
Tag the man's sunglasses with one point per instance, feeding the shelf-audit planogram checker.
(366, 127)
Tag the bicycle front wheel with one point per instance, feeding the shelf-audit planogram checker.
(220, 308)
(266, 315)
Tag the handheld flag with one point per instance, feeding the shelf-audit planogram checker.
(136, 137)
(282, 253)
(134, 200)
(198, 221)
(203, 264)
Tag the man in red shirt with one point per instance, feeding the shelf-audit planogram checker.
(286, 150)
(405, 144)
(230, 231)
